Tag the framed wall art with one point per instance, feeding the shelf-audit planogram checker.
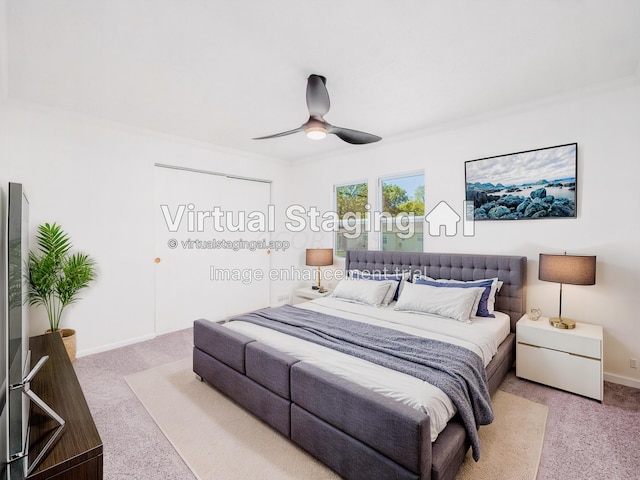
(526, 185)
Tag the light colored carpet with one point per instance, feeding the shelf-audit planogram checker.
(511, 445)
(220, 440)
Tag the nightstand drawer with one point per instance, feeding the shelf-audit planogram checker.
(569, 341)
(558, 369)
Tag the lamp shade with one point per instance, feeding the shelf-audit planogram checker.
(570, 269)
(319, 257)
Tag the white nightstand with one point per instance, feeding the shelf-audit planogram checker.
(567, 359)
(303, 294)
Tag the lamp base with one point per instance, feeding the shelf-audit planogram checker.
(562, 323)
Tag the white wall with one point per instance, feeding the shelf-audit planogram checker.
(606, 126)
(96, 180)
(4, 54)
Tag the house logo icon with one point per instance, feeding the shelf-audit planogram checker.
(444, 217)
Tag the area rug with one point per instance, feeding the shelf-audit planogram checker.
(511, 445)
(220, 440)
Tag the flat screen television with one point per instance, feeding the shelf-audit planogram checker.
(15, 361)
(14, 207)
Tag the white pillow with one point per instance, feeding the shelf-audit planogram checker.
(456, 303)
(360, 290)
(491, 300)
(393, 293)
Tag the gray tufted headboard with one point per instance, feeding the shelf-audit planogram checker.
(512, 270)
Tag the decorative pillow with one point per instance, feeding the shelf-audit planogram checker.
(495, 288)
(486, 305)
(369, 292)
(476, 304)
(378, 276)
(498, 283)
(452, 302)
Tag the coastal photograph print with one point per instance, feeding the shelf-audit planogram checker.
(526, 185)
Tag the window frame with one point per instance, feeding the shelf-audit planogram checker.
(365, 220)
(382, 229)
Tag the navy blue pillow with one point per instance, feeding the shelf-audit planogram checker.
(379, 277)
(483, 309)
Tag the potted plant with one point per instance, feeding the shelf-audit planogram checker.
(55, 277)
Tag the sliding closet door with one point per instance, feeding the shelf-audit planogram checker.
(207, 263)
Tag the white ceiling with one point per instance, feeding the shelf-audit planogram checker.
(226, 71)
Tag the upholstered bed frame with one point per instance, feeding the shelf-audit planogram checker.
(358, 433)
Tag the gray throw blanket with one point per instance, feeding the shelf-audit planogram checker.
(455, 370)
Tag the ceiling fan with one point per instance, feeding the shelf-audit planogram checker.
(317, 127)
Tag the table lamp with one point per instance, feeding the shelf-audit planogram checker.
(571, 269)
(319, 257)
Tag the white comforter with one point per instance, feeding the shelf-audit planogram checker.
(482, 337)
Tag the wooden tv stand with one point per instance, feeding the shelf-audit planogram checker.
(77, 454)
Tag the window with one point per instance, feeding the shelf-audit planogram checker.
(401, 219)
(352, 207)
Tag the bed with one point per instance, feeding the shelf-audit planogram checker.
(356, 431)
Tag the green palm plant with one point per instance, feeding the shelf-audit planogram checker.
(55, 277)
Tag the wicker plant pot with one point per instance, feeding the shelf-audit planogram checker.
(69, 339)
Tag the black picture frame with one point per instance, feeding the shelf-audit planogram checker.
(527, 185)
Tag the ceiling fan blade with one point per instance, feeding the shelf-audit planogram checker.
(317, 127)
(317, 96)
(282, 134)
(354, 136)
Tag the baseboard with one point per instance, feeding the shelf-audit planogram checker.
(111, 346)
(619, 379)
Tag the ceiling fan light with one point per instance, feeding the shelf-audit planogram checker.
(316, 132)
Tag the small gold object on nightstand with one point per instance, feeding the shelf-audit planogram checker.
(534, 314)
